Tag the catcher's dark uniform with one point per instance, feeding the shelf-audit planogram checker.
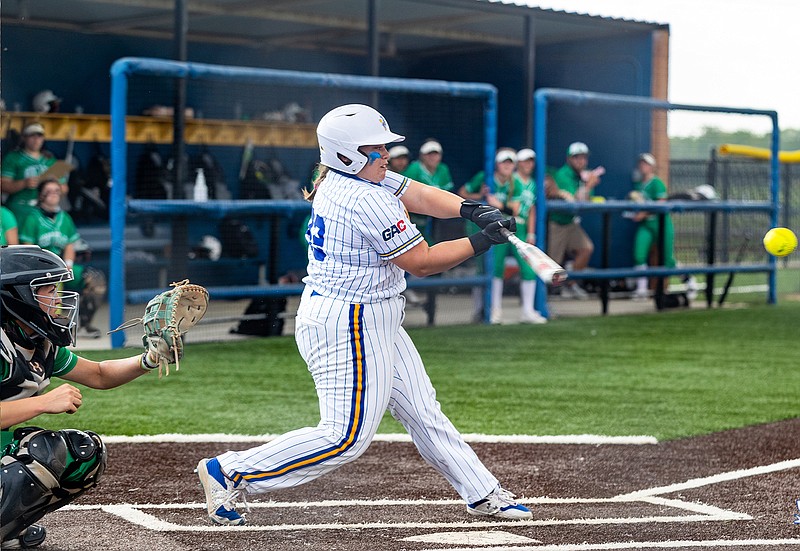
(28, 372)
(43, 470)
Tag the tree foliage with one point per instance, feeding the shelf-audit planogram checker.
(700, 146)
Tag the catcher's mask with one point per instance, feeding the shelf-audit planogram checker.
(24, 271)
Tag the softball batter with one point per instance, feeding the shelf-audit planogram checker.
(349, 326)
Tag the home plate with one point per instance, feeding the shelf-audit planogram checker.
(472, 538)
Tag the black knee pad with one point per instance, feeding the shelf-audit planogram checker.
(45, 471)
(85, 447)
(62, 454)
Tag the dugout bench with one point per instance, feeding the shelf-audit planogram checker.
(609, 208)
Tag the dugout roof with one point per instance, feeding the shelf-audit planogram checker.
(407, 28)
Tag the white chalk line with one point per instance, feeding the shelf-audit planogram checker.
(680, 544)
(135, 514)
(714, 479)
(588, 439)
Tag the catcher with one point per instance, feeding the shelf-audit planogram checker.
(43, 470)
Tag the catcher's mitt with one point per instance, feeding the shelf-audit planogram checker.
(167, 317)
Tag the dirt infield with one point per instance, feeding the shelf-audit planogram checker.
(731, 490)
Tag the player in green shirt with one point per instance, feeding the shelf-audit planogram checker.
(54, 230)
(511, 198)
(48, 226)
(565, 234)
(21, 169)
(430, 170)
(9, 233)
(650, 187)
(526, 231)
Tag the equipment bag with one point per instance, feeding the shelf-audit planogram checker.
(271, 322)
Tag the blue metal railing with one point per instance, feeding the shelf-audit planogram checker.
(544, 96)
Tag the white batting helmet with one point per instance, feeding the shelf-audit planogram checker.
(46, 102)
(346, 128)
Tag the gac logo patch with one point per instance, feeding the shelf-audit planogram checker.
(394, 229)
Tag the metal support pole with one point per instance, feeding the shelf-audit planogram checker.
(530, 72)
(711, 256)
(606, 249)
(374, 45)
(179, 115)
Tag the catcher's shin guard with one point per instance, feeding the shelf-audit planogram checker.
(44, 471)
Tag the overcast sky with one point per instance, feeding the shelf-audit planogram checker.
(731, 53)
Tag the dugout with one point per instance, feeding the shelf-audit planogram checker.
(516, 48)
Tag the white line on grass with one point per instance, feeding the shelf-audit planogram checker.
(590, 439)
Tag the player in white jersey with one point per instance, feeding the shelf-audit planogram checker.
(349, 326)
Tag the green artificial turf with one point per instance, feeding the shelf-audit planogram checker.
(668, 374)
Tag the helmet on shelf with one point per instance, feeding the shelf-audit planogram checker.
(46, 102)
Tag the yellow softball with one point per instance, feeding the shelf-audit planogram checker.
(780, 241)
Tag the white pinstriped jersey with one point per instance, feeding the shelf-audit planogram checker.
(356, 228)
(349, 331)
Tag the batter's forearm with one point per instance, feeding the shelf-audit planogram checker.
(423, 260)
(448, 254)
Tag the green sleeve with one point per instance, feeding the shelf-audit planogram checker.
(303, 231)
(9, 167)
(475, 183)
(516, 189)
(9, 221)
(527, 196)
(65, 361)
(566, 179)
(657, 189)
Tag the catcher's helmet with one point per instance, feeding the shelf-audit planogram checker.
(23, 270)
(46, 102)
(343, 130)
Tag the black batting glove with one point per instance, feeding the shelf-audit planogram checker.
(481, 214)
(491, 235)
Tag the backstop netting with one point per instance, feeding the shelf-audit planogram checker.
(252, 132)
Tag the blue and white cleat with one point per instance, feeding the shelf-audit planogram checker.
(500, 503)
(220, 494)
